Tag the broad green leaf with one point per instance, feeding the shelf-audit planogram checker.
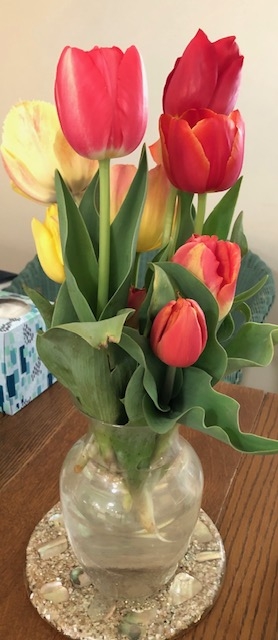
(138, 348)
(238, 234)
(124, 234)
(83, 370)
(202, 408)
(45, 307)
(99, 334)
(63, 310)
(252, 346)
(80, 261)
(134, 395)
(89, 209)
(226, 328)
(219, 221)
(159, 293)
(213, 359)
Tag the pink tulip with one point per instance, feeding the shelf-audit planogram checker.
(202, 151)
(179, 333)
(101, 100)
(216, 263)
(206, 76)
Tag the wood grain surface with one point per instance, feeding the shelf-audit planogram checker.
(240, 495)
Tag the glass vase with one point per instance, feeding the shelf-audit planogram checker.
(130, 500)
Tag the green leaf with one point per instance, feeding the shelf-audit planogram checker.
(134, 395)
(219, 221)
(202, 408)
(45, 307)
(80, 262)
(89, 209)
(238, 234)
(249, 293)
(243, 308)
(159, 293)
(99, 334)
(226, 328)
(63, 310)
(124, 234)
(138, 348)
(83, 370)
(213, 359)
(252, 346)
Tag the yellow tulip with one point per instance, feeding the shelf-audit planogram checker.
(33, 146)
(152, 222)
(48, 244)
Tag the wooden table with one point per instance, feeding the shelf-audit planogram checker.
(240, 496)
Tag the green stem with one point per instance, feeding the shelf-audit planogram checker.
(175, 231)
(169, 215)
(168, 385)
(136, 269)
(104, 235)
(200, 215)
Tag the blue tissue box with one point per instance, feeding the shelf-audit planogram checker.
(23, 376)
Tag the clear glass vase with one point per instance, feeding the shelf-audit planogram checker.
(130, 500)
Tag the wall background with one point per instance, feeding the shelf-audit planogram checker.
(32, 36)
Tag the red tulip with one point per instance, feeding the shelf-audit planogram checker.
(136, 298)
(216, 263)
(206, 76)
(202, 151)
(179, 333)
(101, 100)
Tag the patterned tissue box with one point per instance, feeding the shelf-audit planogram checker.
(23, 376)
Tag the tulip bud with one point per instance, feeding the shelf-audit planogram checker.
(101, 99)
(179, 333)
(136, 298)
(216, 263)
(48, 244)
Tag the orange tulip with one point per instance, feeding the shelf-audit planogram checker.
(216, 263)
(179, 333)
(202, 151)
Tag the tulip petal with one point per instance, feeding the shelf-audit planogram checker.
(121, 176)
(193, 79)
(107, 112)
(46, 251)
(29, 133)
(184, 159)
(33, 147)
(152, 221)
(132, 99)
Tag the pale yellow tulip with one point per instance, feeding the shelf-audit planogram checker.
(34, 146)
(48, 244)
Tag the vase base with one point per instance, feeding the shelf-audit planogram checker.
(64, 596)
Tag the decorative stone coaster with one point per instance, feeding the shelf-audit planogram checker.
(64, 596)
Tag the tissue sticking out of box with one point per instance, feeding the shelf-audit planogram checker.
(13, 308)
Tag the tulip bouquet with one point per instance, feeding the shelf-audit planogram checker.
(134, 344)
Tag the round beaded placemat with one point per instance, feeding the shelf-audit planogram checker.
(64, 596)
